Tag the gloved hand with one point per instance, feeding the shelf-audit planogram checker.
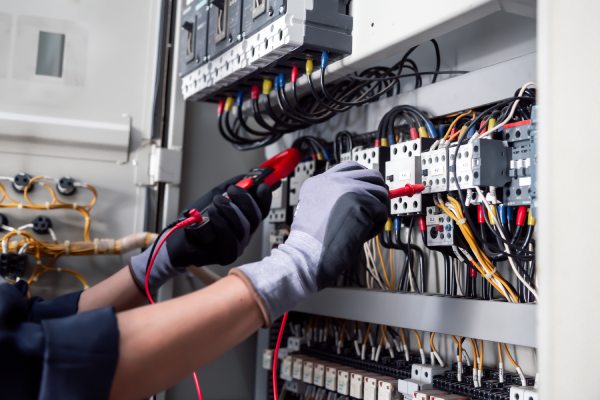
(338, 211)
(220, 241)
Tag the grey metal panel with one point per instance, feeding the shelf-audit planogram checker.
(487, 320)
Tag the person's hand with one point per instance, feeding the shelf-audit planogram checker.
(232, 220)
(338, 211)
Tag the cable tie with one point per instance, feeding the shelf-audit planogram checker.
(47, 205)
(75, 206)
(461, 221)
(490, 274)
(19, 205)
(67, 247)
(96, 246)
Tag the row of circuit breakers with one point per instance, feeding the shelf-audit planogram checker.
(228, 45)
(508, 165)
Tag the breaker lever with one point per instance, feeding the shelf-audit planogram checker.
(272, 171)
(407, 191)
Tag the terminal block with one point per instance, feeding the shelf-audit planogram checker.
(434, 167)
(372, 158)
(483, 162)
(279, 203)
(518, 137)
(441, 229)
(404, 168)
(303, 171)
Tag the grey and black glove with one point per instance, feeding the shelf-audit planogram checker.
(232, 221)
(338, 211)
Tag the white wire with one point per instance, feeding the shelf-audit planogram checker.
(510, 114)
(511, 261)
(52, 235)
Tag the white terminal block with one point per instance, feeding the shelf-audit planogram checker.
(297, 368)
(308, 371)
(343, 381)
(372, 157)
(427, 394)
(370, 388)
(424, 373)
(286, 368)
(303, 171)
(267, 359)
(331, 373)
(358, 383)
(279, 202)
(294, 343)
(319, 374)
(387, 389)
(434, 167)
(407, 387)
(404, 168)
(517, 392)
(531, 394)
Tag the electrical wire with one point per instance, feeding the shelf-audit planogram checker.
(276, 355)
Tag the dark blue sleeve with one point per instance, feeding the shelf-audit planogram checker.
(47, 355)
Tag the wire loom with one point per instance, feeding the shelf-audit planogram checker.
(22, 241)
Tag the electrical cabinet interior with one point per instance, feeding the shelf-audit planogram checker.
(249, 40)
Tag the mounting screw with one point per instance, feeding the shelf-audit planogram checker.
(281, 10)
(271, 11)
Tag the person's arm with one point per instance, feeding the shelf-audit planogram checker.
(161, 344)
(118, 291)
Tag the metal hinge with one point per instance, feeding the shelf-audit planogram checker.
(155, 164)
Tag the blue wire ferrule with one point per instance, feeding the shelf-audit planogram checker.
(280, 81)
(391, 139)
(239, 99)
(471, 132)
(431, 129)
(324, 59)
(397, 224)
(509, 213)
(502, 213)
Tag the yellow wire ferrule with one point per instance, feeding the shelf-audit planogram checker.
(267, 86)
(229, 103)
(384, 142)
(310, 66)
(422, 132)
(388, 225)
(530, 218)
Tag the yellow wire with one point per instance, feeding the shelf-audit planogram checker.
(510, 357)
(458, 118)
(475, 353)
(392, 275)
(500, 358)
(418, 336)
(431, 343)
(480, 354)
(383, 267)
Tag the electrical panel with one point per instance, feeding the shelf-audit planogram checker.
(228, 45)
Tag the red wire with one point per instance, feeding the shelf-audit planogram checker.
(149, 295)
(276, 355)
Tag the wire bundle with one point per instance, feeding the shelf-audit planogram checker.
(277, 109)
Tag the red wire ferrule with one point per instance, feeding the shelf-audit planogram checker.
(480, 214)
(422, 225)
(221, 107)
(254, 92)
(294, 76)
(521, 215)
(414, 133)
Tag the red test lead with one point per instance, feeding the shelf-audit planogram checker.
(407, 191)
